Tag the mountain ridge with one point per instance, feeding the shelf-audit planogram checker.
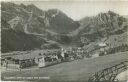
(28, 20)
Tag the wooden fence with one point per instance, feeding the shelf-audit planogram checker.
(109, 74)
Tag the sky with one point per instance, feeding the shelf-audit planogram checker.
(80, 9)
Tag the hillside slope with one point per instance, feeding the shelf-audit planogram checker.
(100, 26)
(18, 41)
(76, 71)
(30, 19)
(26, 27)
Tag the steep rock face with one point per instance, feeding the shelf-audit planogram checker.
(108, 28)
(105, 21)
(34, 24)
(60, 22)
(102, 25)
(35, 20)
(16, 24)
(26, 27)
(97, 27)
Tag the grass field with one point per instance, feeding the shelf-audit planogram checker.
(75, 71)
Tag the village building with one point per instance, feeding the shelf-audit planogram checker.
(19, 60)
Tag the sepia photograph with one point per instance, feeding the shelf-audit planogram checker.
(64, 41)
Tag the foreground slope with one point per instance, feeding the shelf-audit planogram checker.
(77, 71)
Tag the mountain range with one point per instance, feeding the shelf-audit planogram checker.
(26, 27)
(100, 26)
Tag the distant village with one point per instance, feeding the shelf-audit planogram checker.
(44, 58)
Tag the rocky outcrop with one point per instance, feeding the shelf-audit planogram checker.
(103, 24)
(100, 26)
(35, 20)
(32, 23)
